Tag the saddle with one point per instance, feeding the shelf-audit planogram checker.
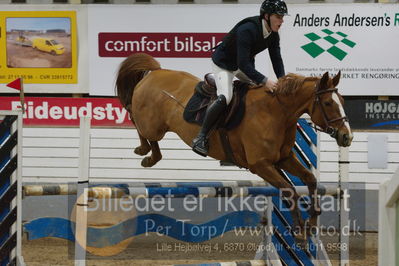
(205, 94)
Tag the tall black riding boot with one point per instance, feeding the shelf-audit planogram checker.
(200, 143)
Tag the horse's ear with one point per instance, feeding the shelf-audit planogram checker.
(335, 79)
(323, 81)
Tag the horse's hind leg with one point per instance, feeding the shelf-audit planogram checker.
(155, 157)
(144, 147)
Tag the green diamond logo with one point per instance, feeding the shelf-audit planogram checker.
(349, 43)
(336, 44)
(327, 31)
(331, 40)
(337, 53)
(312, 36)
(313, 49)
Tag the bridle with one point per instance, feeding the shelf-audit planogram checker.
(333, 132)
(327, 128)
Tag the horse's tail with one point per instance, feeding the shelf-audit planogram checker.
(131, 71)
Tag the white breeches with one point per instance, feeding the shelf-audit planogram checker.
(224, 81)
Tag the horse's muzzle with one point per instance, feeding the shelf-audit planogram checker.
(347, 140)
(343, 139)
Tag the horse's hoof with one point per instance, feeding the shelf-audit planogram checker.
(264, 220)
(314, 212)
(301, 243)
(147, 162)
(312, 224)
(300, 238)
(140, 150)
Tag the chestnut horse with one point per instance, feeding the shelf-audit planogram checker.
(262, 142)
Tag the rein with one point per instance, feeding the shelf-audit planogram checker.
(174, 98)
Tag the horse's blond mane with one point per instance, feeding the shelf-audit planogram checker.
(290, 83)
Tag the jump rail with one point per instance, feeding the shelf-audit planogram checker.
(195, 189)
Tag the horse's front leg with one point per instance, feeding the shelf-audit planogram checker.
(292, 165)
(155, 157)
(270, 174)
(144, 147)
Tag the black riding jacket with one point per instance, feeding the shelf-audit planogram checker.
(242, 43)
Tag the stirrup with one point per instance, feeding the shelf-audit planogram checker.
(200, 146)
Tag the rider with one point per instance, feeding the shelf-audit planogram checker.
(235, 57)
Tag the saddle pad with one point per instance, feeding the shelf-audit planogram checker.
(196, 107)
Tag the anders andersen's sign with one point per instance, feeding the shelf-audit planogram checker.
(330, 38)
(373, 114)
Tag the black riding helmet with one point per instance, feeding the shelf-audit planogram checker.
(273, 7)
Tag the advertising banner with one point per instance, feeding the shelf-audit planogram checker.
(57, 111)
(180, 37)
(39, 46)
(361, 40)
(158, 44)
(373, 114)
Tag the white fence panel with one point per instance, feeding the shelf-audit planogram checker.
(358, 168)
(51, 155)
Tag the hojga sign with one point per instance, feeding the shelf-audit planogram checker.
(373, 114)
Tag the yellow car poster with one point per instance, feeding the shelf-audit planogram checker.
(40, 47)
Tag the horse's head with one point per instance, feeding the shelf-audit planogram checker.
(328, 112)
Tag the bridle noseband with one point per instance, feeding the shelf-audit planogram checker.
(328, 128)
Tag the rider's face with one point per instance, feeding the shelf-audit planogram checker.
(276, 21)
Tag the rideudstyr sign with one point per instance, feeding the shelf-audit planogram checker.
(158, 44)
(58, 111)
